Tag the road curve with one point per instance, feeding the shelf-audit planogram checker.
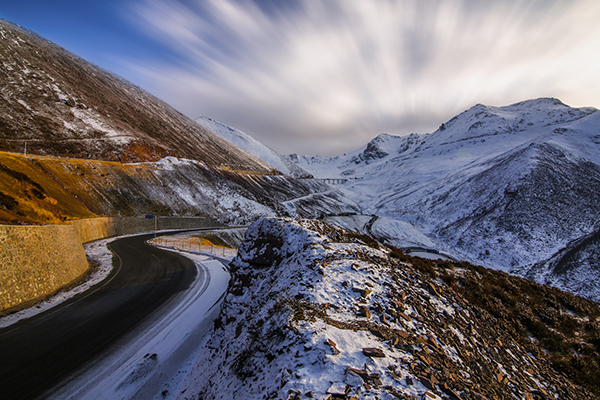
(39, 352)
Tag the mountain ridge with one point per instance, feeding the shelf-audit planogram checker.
(64, 106)
(253, 146)
(321, 312)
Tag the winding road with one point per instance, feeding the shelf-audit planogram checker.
(38, 353)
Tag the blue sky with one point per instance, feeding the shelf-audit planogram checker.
(326, 76)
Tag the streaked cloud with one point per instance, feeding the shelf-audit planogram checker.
(325, 76)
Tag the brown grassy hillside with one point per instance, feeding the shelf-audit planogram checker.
(561, 327)
(41, 189)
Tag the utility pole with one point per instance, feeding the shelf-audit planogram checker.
(25, 150)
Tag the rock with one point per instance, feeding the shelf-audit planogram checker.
(363, 311)
(430, 396)
(427, 383)
(377, 332)
(451, 393)
(431, 289)
(402, 334)
(363, 292)
(409, 381)
(539, 394)
(478, 396)
(333, 346)
(353, 378)
(362, 373)
(293, 394)
(433, 379)
(424, 358)
(406, 317)
(373, 352)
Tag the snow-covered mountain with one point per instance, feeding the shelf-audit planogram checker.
(253, 146)
(505, 187)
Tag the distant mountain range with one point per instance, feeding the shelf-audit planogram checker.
(254, 147)
(514, 188)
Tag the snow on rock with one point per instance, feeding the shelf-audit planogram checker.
(314, 311)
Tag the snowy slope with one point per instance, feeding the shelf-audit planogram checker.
(505, 187)
(253, 146)
(575, 268)
(314, 312)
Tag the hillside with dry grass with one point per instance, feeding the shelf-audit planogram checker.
(42, 190)
(77, 141)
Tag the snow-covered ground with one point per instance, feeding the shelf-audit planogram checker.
(314, 312)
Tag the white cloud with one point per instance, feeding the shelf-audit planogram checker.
(325, 76)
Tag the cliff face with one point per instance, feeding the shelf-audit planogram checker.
(61, 105)
(315, 311)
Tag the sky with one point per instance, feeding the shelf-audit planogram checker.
(326, 76)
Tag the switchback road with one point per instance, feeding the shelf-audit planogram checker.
(39, 352)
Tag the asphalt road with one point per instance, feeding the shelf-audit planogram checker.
(38, 353)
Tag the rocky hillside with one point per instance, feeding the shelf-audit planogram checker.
(59, 104)
(318, 312)
(506, 187)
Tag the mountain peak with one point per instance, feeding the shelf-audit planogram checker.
(482, 120)
(253, 146)
(542, 101)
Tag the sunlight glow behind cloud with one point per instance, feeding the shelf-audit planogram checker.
(326, 76)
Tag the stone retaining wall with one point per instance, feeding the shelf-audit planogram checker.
(99, 228)
(37, 261)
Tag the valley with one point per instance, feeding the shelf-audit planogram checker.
(396, 271)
